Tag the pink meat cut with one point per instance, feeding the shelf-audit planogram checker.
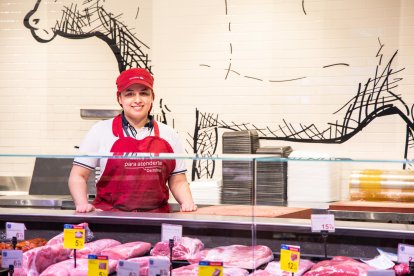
(127, 250)
(67, 268)
(192, 270)
(339, 266)
(38, 259)
(95, 247)
(242, 256)
(183, 249)
(144, 263)
(58, 239)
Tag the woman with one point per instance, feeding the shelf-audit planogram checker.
(131, 184)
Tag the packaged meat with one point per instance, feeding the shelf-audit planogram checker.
(144, 263)
(67, 268)
(339, 266)
(242, 256)
(192, 270)
(184, 248)
(127, 250)
(95, 247)
(401, 269)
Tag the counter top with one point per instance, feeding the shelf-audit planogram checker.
(347, 228)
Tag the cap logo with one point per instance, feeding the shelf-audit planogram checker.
(136, 78)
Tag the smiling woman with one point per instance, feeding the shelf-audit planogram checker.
(126, 185)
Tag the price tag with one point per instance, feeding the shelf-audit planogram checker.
(405, 253)
(381, 272)
(97, 265)
(323, 222)
(73, 236)
(207, 268)
(159, 267)
(289, 257)
(11, 257)
(171, 231)
(126, 268)
(15, 230)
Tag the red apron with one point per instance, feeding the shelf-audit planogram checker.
(135, 184)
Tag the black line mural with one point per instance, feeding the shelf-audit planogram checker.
(374, 98)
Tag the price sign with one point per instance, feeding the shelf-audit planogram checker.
(207, 268)
(405, 253)
(323, 222)
(15, 230)
(171, 231)
(126, 268)
(159, 267)
(73, 236)
(97, 265)
(289, 257)
(11, 257)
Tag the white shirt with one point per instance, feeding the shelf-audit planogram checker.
(100, 139)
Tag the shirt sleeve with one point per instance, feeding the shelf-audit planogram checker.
(89, 146)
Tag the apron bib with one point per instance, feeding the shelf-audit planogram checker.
(135, 185)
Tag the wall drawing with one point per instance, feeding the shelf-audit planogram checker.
(373, 99)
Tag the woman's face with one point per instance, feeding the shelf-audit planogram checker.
(136, 101)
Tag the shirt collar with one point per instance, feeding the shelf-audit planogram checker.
(127, 126)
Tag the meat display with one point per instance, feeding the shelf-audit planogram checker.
(242, 256)
(183, 249)
(127, 250)
(192, 270)
(144, 263)
(339, 266)
(95, 247)
(67, 268)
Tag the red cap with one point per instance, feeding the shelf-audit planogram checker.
(132, 76)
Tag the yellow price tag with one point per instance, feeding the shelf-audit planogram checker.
(207, 268)
(97, 265)
(73, 236)
(289, 257)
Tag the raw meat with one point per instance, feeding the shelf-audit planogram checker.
(192, 270)
(38, 259)
(401, 269)
(183, 249)
(59, 238)
(67, 268)
(242, 256)
(273, 269)
(95, 247)
(144, 263)
(339, 266)
(127, 250)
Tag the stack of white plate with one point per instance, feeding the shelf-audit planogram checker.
(206, 191)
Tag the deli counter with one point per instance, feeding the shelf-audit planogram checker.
(42, 201)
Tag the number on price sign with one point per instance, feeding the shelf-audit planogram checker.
(97, 265)
(289, 258)
(73, 236)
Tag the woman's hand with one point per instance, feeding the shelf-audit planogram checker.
(188, 207)
(85, 208)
